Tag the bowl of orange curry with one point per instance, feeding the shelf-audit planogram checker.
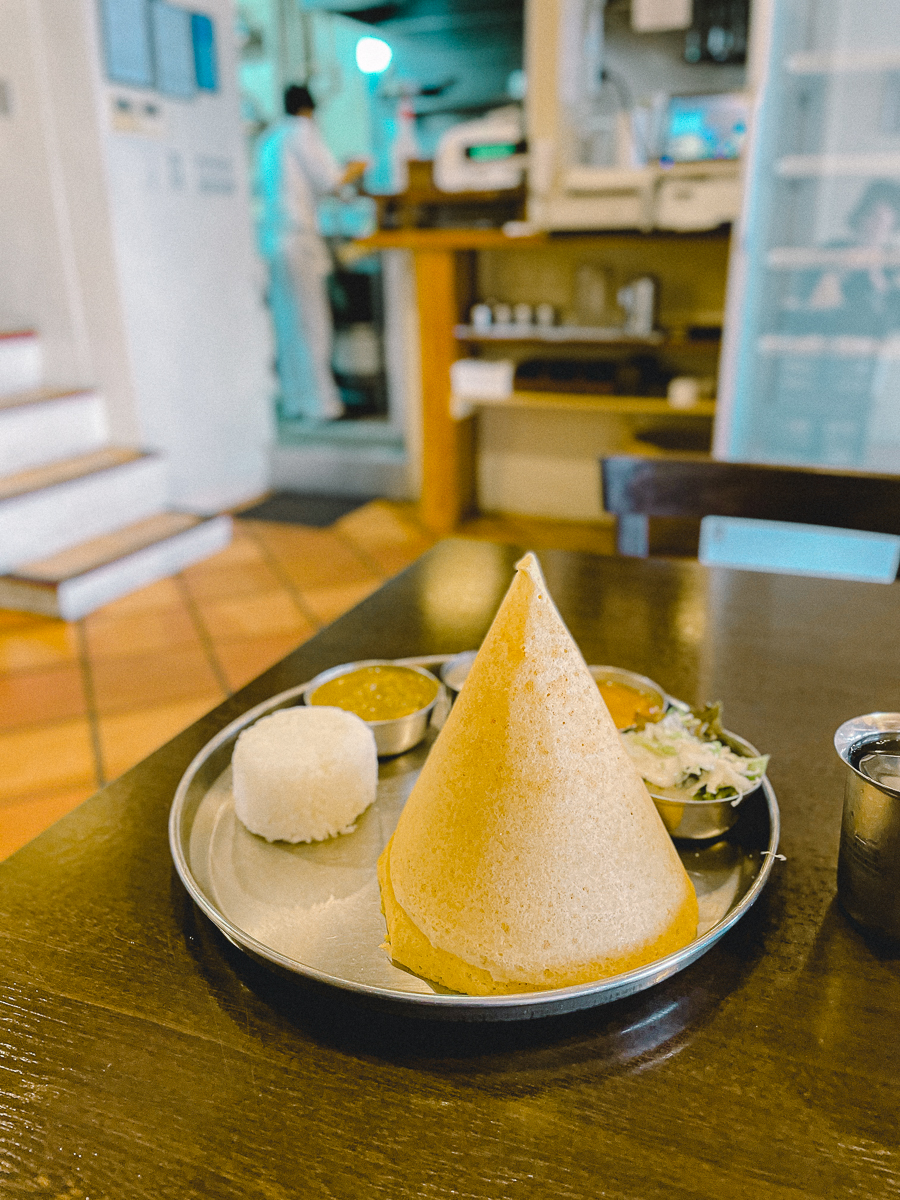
(632, 699)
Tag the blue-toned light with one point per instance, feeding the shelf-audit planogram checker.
(373, 55)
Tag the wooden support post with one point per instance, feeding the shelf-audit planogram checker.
(447, 444)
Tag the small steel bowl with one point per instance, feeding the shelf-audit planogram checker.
(455, 670)
(631, 679)
(398, 734)
(701, 819)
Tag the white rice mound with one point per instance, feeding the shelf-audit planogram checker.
(304, 774)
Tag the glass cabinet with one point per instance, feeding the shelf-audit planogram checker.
(811, 368)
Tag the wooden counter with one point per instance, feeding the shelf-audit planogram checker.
(447, 444)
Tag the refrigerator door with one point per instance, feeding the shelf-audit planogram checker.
(811, 369)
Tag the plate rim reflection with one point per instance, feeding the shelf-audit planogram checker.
(444, 1005)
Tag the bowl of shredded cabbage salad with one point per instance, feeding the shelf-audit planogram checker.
(696, 771)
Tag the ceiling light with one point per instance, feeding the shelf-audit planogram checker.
(373, 55)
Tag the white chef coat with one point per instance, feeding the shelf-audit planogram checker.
(295, 169)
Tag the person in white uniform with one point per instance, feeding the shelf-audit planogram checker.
(295, 169)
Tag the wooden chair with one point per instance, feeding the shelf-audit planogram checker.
(637, 489)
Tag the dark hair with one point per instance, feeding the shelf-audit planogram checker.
(297, 97)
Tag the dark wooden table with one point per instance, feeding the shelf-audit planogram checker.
(142, 1056)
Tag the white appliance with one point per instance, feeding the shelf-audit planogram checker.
(488, 155)
(596, 108)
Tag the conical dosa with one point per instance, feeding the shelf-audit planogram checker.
(529, 854)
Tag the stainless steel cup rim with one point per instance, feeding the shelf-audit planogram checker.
(346, 668)
(858, 732)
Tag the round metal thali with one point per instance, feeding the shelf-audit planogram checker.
(314, 910)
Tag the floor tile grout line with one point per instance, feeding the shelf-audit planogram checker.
(355, 548)
(411, 521)
(90, 698)
(413, 528)
(203, 633)
(18, 631)
(27, 727)
(38, 668)
(360, 549)
(42, 795)
(361, 554)
(283, 577)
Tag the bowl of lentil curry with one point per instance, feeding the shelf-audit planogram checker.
(632, 699)
(395, 701)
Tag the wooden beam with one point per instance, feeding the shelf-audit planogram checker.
(447, 444)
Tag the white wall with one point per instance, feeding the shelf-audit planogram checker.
(55, 251)
(132, 253)
(192, 286)
(67, 76)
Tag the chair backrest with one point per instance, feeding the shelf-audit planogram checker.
(636, 489)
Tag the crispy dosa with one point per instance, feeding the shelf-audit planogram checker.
(529, 854)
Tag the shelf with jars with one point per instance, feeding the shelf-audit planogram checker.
(592, 381)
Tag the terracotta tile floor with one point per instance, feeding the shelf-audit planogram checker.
(81, 702)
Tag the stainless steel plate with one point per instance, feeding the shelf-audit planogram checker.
(315, 910)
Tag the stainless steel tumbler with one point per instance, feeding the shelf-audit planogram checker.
(869, 859)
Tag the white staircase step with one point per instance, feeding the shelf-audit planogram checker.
(21, 361)
(49, 424)
(77, 581)
(48, 509)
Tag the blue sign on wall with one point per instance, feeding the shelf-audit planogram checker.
(204, 34)
(174, 51)
(127, 41)
(155, 44)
